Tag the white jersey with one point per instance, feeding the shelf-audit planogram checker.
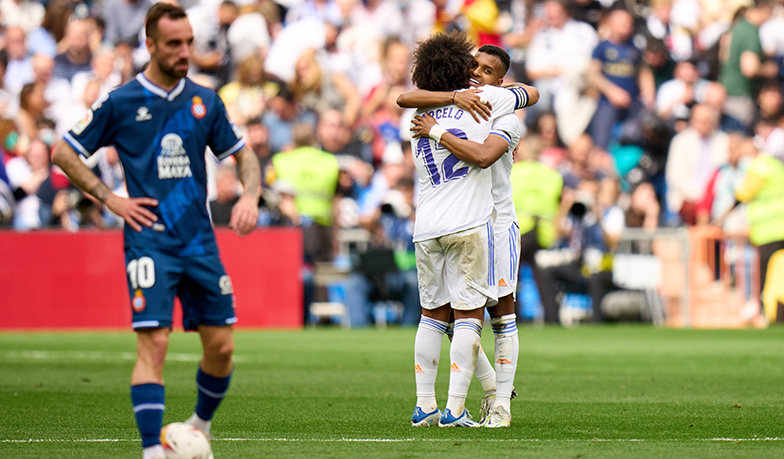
(508, 127)
(453, 195)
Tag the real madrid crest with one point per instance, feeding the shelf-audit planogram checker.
(198, 109)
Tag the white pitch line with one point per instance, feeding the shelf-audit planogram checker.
(400, 440)
(98, 355)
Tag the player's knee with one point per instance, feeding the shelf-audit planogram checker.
(221, 352)
(152, 349)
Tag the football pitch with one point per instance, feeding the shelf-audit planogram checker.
(590, 392)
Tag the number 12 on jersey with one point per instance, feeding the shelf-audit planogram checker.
(445, 171)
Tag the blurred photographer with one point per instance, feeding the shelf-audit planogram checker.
(589, 225)
(388, 269)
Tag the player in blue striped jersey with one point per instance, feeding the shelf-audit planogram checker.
(161, 124)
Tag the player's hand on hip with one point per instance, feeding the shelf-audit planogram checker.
(470, 101)
(422, 125)
(133, 210)
(244, 215)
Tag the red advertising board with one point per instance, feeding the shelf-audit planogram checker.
(57, 280)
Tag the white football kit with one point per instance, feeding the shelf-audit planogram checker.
(453, 231)
(507, 230)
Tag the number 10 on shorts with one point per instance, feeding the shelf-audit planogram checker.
(141, 273)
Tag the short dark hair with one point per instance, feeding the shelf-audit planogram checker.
(443, 62)
(498, 52)
(158, 11)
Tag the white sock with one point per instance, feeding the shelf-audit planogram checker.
(200, 424)
(485, 373)
(154, 452)
(463, 353)
(427, 351)
(507, 348)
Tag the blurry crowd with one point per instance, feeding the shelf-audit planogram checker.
(649, 112)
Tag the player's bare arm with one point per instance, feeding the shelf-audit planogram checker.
(468, 100)
(245, 213)
(132, 210)
(478, 154)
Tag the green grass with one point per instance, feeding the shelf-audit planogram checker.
(615, 392)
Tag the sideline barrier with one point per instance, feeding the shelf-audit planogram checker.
(58, 280)
(708, 279)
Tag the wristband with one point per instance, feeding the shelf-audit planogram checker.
(436, 132)
(454, 93)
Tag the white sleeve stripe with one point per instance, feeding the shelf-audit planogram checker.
(237, 147)
(76, 145)
(521, 97)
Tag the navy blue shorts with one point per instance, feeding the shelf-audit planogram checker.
(201, 283)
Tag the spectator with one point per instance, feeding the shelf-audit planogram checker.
(25, 14)
(292, 41)
(335, 137)
(561, 47)
(618, 73)
(546, 129)
(245, 98)
(579, 167)
(124, 19)
(658, 59)
(248, 35)
(102, 70)
(746, 65)
(211, 52)
(258, 141)
(8, 106)
(676, 97)
(719, 198)
(769, 101)
(321, 10)
(44, 39)
(77, 54)
(25, 175)
(694, 154)
(19, 71)
(32, 106)
(390, 172)
(284, 112)
(395, 70)
(313, 174)
(227, 186)
(57, 92)
(577, 266)
(393, 229)
(318, 89)
(644, 208)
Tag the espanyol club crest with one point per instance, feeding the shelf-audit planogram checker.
(138, 302)
(198, 109)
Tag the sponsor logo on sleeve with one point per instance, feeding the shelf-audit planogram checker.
(83, 123)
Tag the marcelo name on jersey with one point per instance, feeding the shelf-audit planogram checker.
(173, 162)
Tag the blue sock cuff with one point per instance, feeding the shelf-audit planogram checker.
(212, 386)
(147, 393)
(148, 407)
(211, 389)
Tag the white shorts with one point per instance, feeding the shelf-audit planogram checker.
(457, 269)
(507, 260)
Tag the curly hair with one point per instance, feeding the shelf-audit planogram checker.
(443, 62)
